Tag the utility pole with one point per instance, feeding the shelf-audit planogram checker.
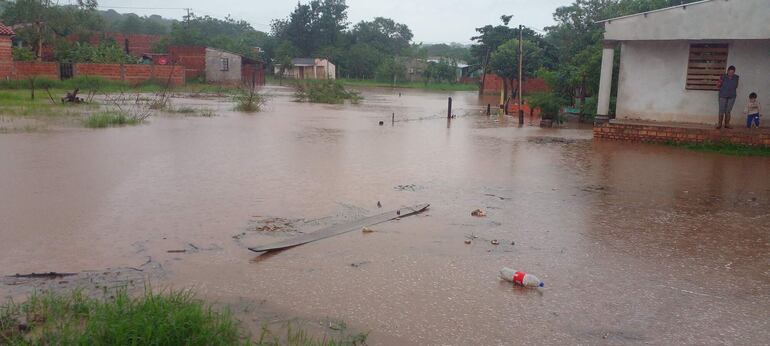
(521, 61)
(187, 17)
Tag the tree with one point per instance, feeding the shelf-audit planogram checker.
(362, 60)
(490, 38)
(40, 22)
(440, 71)
(505, 61)
(384, 34)
(283, 56)
(391, 70)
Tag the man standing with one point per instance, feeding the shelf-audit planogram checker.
(728, 91)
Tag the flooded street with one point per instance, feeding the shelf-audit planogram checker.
(636, 243)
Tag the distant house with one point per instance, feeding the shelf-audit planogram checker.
(309, 68)
(671, 59)
(217, 65)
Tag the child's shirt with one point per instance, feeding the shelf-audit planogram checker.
(752, 107)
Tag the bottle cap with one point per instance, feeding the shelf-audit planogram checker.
(542, 284)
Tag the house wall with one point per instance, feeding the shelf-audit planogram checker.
(253, 71)
(651, 84)
(193, 58)
(6, 57)
(494, 83)
(715, 19)
(214, 72)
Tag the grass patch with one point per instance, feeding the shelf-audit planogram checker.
(172, 318)
(410, 85)
(325, 91)
(725, 148)
(110, 119)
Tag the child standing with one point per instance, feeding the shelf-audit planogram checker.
(752, 111)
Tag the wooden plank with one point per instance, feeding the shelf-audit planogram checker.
(709, 49)
(715, 65)
(703, 77)
(714, 72)
(700, 87)
(343, 228)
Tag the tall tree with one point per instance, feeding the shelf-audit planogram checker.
(505, 62)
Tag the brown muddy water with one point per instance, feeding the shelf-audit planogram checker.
(636, 243)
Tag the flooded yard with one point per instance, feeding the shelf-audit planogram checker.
(636, 243)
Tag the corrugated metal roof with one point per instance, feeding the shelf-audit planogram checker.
(303, 62)
(6, 31)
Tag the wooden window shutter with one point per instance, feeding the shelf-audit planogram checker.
(708, 61)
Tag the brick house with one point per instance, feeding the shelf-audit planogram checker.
(6, 52)
(217, 65)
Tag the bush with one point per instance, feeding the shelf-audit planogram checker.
(23, 54)
(104, 53)
(109, 119)
(549, 103)
(325, 91)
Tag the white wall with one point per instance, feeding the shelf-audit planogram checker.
(715, 19)
(652, 80)
(213, 68)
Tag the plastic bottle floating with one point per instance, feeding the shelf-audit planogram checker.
(520, 278)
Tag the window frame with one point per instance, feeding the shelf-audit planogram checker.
(706, 63)
(224, 64)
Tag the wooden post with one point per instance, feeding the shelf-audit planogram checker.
(489, 109)
(393, 118)
(521, 61)
(449, 110)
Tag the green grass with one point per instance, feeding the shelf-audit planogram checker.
(410, 85)
(172, 318)
(725, 148)
(109, 119)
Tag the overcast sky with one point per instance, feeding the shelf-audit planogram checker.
(431, 21)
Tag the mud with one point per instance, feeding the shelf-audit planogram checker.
(636, 243)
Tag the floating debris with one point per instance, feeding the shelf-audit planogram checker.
(478, 213)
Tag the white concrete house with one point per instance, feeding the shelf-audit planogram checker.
(309, 68)
(671, 58)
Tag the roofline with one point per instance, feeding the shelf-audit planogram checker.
(653, 11)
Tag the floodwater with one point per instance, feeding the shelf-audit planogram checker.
(636, 243)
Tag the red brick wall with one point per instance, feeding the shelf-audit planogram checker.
(162, 72)
(663, 134)
(193, 58)
(6, 57)
(27, 69)
(132, 74)
(494, 83)
(106, 71)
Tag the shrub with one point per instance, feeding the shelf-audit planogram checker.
(325, 91)
(549, 103)
(109, 119)
(23, 54)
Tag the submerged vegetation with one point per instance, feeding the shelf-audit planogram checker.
(110, 119)
(325, 91)
(171, 318)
